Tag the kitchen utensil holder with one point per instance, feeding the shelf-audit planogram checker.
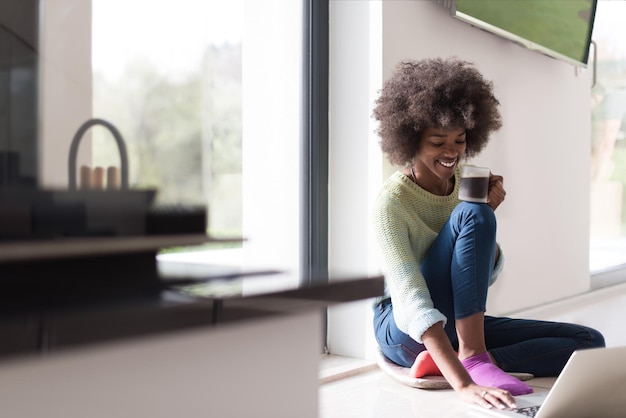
(120, 145)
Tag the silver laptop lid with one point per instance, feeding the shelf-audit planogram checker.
(592, 384)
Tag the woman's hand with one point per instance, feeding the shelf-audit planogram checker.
(496, 192)
(444, 356)
(488, 397)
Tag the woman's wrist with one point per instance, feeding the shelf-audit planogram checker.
(444, 356)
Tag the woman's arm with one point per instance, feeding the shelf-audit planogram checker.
(414, 312)
(444, 356)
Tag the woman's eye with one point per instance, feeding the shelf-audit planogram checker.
(436, 144)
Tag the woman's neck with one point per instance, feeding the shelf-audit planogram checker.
(436, 185)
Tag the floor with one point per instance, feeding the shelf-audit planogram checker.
(357, 388)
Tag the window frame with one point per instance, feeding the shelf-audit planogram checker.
(314, 204)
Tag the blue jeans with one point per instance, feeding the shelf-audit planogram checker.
(457, 270)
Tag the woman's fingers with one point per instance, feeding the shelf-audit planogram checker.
(501, 399)
(496, 191)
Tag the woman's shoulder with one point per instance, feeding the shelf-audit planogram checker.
(395, 189)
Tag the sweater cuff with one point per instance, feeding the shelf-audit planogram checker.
(418, 328)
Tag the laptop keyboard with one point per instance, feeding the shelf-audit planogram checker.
(529, 411)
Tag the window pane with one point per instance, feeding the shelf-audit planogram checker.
(207, 94)
(172, 85)
(608, 161)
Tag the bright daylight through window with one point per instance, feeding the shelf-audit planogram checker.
(208, 96)
(608, 154)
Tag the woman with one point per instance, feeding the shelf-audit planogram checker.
(440, 255)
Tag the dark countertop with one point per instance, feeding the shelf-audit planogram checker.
(177, 306)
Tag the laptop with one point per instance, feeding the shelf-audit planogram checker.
(592, 385)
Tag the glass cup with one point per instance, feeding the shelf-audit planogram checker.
(474, 185)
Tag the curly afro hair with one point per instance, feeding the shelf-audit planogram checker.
(434, 93)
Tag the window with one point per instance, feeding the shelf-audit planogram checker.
(608, 158)
(171, 81)
(210, 98)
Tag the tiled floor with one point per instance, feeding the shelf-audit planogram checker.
(374, 394)
(370, 393)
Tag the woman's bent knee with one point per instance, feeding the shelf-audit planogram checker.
(478, 213)
(596, 339)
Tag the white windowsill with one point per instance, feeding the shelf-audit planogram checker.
(333, 368)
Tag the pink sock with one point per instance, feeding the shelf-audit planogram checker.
(485, 373)
(424, 365)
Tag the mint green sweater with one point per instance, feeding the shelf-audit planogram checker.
(407, 219)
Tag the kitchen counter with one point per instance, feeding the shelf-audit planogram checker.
(66, 293)
(179, 307)
(112, 334)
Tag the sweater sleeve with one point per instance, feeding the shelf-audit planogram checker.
(498, 267)
(413, 308)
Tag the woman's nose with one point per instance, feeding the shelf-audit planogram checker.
(451, 150)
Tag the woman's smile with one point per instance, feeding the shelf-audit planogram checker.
(448, 164)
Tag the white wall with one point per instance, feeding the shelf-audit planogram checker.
(355, 162)
(64, 86)
(542, 149)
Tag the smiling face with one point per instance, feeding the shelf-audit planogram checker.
(438, 154)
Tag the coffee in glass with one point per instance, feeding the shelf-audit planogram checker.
(474, 184)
